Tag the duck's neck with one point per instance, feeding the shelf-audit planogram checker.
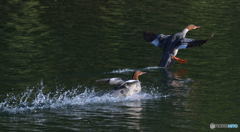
(135, 77)
(185, 30)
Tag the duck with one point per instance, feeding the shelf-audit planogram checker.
(124, 88)
(172, 43)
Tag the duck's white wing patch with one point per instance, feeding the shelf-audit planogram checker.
(182, 46)
(155, 42)
(131, 81)
(116, 81)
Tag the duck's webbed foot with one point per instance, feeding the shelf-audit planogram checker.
(182, 61)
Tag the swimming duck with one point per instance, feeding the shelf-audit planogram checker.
(125, 88)
(172, 43)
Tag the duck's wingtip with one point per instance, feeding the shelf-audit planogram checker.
(212, 35)
(149, 36)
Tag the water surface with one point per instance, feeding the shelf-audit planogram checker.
(52, 52)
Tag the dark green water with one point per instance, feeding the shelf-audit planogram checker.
(52, 52)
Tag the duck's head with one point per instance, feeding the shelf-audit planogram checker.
(136, 74)
(191, 27)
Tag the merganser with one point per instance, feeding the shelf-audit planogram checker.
(125, 88)
(172, 43)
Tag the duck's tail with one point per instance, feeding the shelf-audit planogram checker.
(149, 36)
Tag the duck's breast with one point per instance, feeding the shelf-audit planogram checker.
(134, 87)
(129, 88)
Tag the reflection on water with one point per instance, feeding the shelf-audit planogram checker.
(179, 86)
(175, 78)
(134, 112)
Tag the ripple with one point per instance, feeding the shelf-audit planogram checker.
(128, 70)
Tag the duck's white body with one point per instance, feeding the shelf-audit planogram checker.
(125, 88)
(128, 88)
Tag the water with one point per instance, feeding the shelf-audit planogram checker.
(52, 52)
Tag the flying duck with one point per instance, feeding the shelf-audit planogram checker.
(172, 43)
(125, 88)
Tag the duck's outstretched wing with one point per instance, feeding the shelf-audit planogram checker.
(189, 43)
(112, 81)
(127, 84)
(154, 39)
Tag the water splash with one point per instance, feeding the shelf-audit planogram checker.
(35, 99)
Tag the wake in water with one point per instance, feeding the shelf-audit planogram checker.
(32, 99)
(128, 70)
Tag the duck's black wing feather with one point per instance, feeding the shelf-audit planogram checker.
(194, 43)
(189, 43)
